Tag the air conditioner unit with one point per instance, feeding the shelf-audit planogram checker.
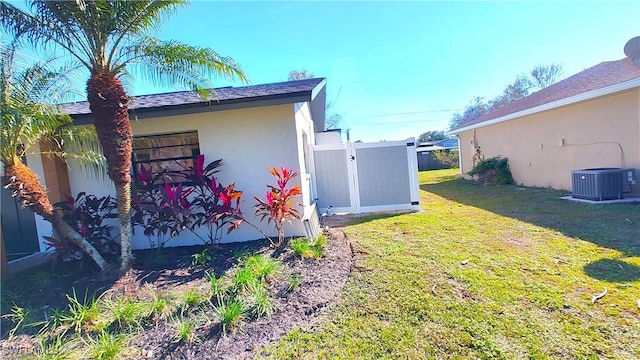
(599, 184)
(628, 180)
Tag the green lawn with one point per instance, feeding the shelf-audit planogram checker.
(534, 263)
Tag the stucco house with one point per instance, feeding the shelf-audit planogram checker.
(251, 128)
(588, 120)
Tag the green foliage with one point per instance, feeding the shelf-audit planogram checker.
(254, 270)
(38, 279)
(18, 316)
(127, 312)
(29, 119)
(101, 327)
(56, 348)
(448, 157)
(160, 305)
(200, 259)
(540, 77)
(310, 250)
(230, 314)
(493, 171)
(260, 301)
(126, 40)
(185, 329)
(192, 298)
(243, 278)
(80, 315)
(433, 135)
(525, 293)
(216, 286)
(107, 346)
(294, 281)
(262, 266)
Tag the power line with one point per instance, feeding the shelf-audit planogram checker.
(399, 122)
(413, 83)
(414, 112)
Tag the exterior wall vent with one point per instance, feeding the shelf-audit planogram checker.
(598, 184)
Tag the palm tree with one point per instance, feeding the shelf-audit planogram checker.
(111, 39)
(28, 119)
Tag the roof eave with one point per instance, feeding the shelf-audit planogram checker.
(612, 89)
(207, 106)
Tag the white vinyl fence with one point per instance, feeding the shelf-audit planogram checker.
(364, 177)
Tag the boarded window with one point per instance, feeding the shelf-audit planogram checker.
(166, 153)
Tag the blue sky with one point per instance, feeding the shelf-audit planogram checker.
(397, 69)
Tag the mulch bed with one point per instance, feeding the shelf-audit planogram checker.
(321, 282)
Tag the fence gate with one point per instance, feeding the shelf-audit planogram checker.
(364, 177)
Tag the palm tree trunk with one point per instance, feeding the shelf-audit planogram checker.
(109, 105)
(25, 185)
(123, 194)
(66, 231)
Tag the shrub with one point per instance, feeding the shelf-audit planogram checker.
(307, 249)
(165, 210)
(128, 313)
(294, 281)
(80, 315)
(160, 305)
(216, 286)
(260, 301)
(192, 298)
(243, 278)
(185, 330)
(493, 171)
(278, 205)
(230, 314)
(262, 266)
(448, 157)
(197, 260)
(108, 346)
(87, 214)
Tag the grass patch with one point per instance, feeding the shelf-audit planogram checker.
(534, 262)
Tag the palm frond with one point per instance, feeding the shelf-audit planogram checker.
(82, 148)
(28, 115)
(169, 62)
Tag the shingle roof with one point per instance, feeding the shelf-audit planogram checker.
(222, 95)
(596, 77)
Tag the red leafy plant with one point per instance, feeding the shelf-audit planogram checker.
(88, 215)
(278, 206)
(164, 210)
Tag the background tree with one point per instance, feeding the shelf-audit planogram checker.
(433, 135)
(332, 119)
(299, 75)
(518, 89)
(543, 76)
(112, 39)
(29, 119)
(476, 108)
(540, 77)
